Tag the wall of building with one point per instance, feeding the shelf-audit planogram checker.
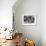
(34, 32)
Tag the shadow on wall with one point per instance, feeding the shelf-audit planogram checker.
(28, 6)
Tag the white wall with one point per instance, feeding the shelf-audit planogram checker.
(36, 32)
(6, 13)
(43, 22)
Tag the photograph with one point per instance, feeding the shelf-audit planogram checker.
(28, 20)
(22, 22)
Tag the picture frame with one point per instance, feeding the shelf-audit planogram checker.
(29, 19)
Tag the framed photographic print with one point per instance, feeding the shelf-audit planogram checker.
(29, 19)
